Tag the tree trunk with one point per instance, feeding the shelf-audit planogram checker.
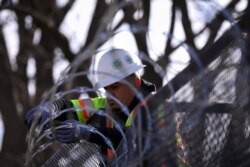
(13, 148)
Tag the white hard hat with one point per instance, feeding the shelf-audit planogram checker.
(114, 66)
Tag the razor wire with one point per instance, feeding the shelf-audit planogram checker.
(204, 121)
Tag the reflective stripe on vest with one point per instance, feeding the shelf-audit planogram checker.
(78, 109)
(128, 123)
(110, 152)
(133, 112)
(99, 102)
(130, 118)
(85, 108)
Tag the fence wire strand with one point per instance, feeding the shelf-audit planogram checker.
(204, 121)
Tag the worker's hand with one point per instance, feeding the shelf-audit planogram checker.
(71, 131)
(41, 113)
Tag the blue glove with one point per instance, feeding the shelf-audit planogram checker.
(71, 131)
(41, 111)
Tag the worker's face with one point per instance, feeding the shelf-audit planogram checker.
(122, 92)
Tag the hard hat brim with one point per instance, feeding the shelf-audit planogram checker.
(118, 77)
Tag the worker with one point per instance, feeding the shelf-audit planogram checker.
(117, 73)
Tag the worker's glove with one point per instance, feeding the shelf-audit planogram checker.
(71, 131)
(41, 113)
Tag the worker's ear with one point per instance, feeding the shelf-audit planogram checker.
(137, 81)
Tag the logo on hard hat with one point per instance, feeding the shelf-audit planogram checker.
(128, 59)
(117, 63)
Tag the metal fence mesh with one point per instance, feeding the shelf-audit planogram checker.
(203, 123)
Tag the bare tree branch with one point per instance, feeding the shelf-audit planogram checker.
(182, 5)
(164, 60)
